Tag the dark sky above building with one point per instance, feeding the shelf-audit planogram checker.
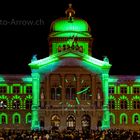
(115, 28)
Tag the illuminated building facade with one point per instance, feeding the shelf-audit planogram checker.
(70, 88)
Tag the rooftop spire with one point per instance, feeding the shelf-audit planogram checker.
(70, 12)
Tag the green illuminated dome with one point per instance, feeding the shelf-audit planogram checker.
(65, 24)
(70, 23)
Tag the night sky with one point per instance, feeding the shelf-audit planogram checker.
(115, 28)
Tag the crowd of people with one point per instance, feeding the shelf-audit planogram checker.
(109, 134)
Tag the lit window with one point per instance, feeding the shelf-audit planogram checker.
(70, 93)
(136, 119)
(3, 104)
(16, 104)
(28, 89)
(16, 119)
(124, 120)
(86, 94)
(71, 122)
(136, 89)
(28, 104)
(111, 104)
(29, 119)
(111, 90)
(136, 104)
(16, 89)
(123, 104)
(56, 93)
(3, 89)
(3, 120)
(123, 90)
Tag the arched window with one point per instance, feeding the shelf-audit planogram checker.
(86, 120)
(136, 104)
(16, 118)
(111, 104)
(55, 121)
(29, 119)
(123, 104)
(3, 119)
(71, 122)
(136, 119)
(16, 104)
(56, 93)
(3, 104)
(112, 118)
(28, 104)
(123, 119)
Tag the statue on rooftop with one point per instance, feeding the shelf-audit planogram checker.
(34, 58)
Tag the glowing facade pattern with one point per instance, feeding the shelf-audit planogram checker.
(69, 88)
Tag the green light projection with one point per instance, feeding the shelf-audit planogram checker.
(6, 117)
(25, 88)
(74, 104)
(71, 33)
(113, 86)
(2, 79)
(123, 85)
(123, 116)
(16, 97)
(134, 86)
(133, 118)
(16, 114)
(29, 97)
(27, 79)
(106, 113)
(64, 25)
(123, 97)
(134, 98)
(35, 124)
(58, 47)
(3, 97)
(112, 116)
(111, 97)
(26, 118)
(7, 87)
(60, 30)
(16, 85)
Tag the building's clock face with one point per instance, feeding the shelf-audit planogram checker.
(74, 97)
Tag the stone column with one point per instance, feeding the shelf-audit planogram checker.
(47, 90)
(106, 114)
(93, 89)
(35, 101)
(63, 88)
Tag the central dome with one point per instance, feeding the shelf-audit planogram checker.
(65, 24)
(69, 23)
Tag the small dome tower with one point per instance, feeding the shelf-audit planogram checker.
(70, 33)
